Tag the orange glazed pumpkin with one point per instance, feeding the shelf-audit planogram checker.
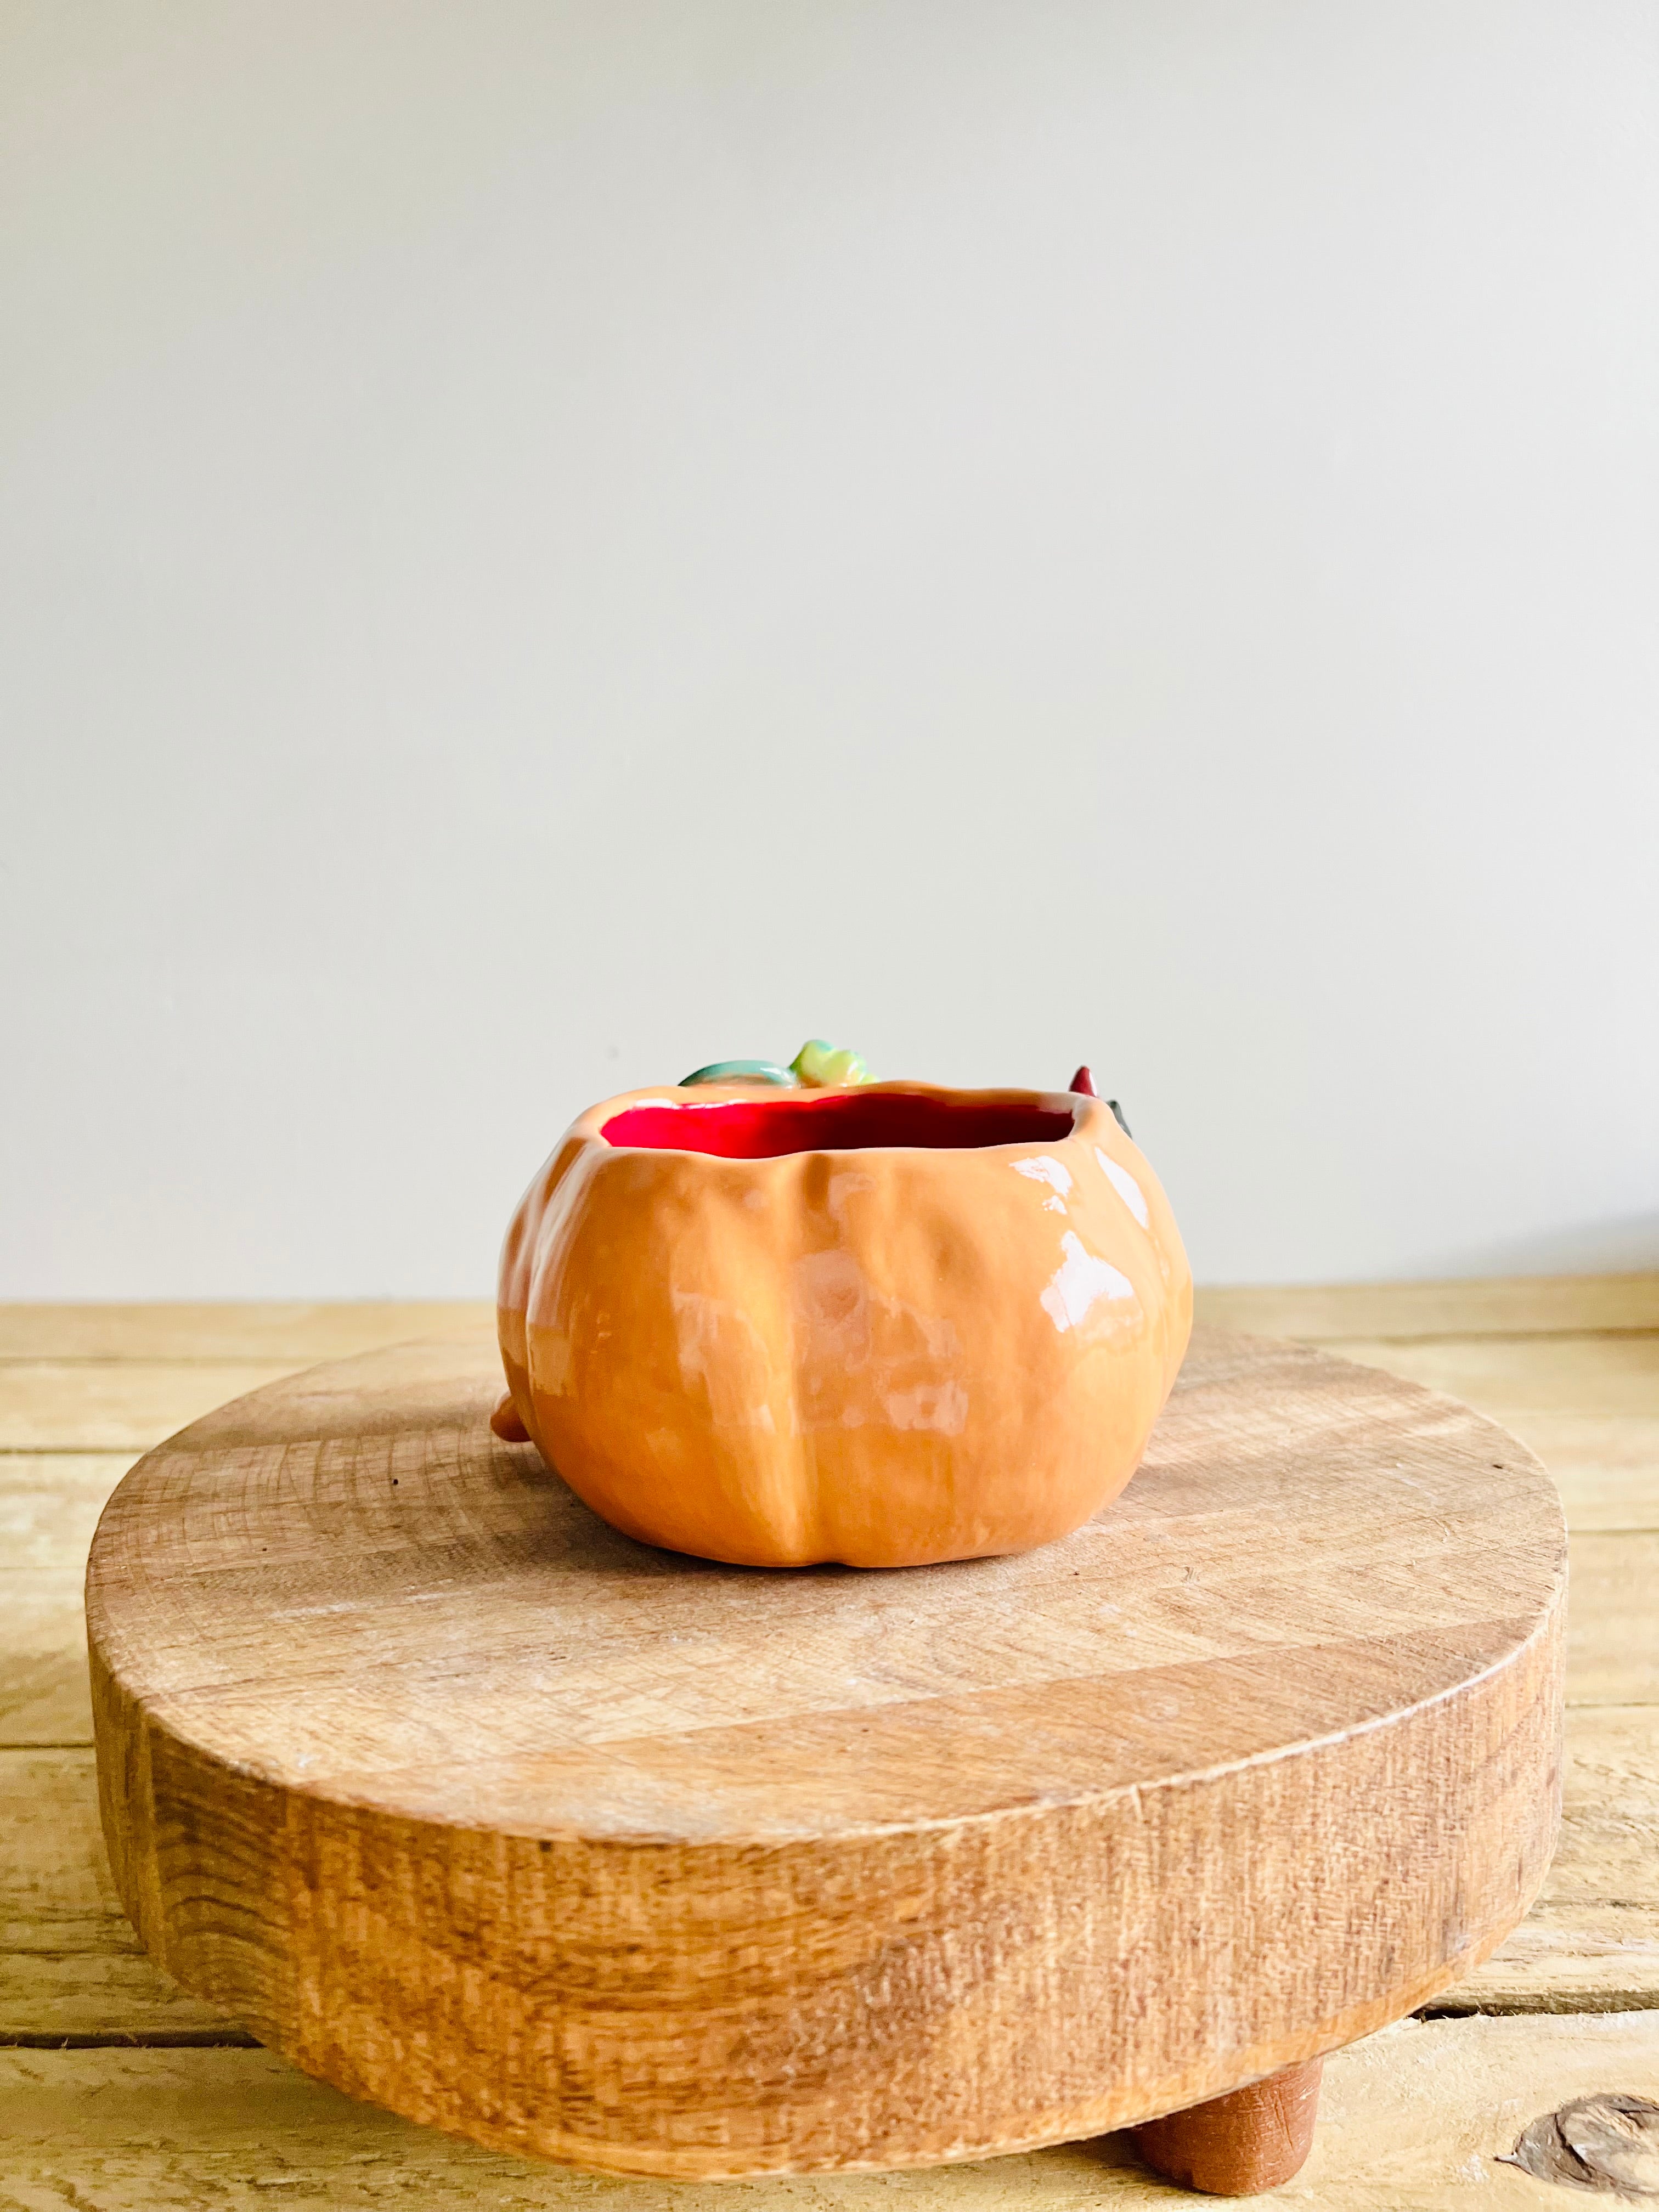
(883, 1325)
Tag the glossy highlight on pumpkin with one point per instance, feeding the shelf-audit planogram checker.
(884, 1325)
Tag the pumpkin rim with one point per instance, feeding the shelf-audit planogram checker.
(865, 1118)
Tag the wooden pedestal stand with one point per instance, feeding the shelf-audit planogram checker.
(473, 1806)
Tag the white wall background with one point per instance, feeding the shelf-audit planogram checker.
(544, 544)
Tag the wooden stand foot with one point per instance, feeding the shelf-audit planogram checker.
(1238, 2146)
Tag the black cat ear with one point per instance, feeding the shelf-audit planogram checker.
(1083, 1084)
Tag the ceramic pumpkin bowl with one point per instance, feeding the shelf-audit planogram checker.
(884, 1324)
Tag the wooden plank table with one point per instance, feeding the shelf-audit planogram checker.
(117, 2090)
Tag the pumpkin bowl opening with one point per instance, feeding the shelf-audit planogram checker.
(837, 1121)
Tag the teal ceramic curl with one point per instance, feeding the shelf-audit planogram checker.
(736, 1071)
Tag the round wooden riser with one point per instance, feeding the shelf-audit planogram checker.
(473, 1806)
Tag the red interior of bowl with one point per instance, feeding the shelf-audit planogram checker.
(837, 1121)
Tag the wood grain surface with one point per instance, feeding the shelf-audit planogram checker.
(1512, 1306)
(287, 1335)
(1420, 2118)
(49, 1507)
(72, 1969)
(472, 1805)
